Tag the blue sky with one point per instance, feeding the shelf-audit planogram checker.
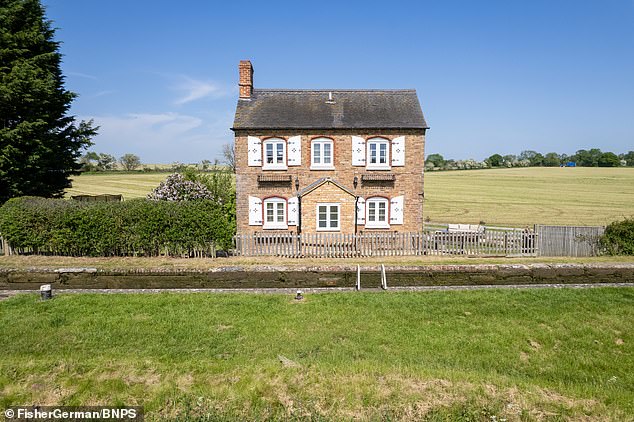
(160, 77)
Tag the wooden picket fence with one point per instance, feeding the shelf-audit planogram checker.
(340, 245)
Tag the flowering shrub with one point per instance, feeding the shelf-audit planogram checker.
(177, 188)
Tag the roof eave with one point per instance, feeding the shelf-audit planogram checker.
(328, 128)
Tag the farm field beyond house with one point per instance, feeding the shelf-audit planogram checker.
(508, 197)
(130, 185)
(534, 195)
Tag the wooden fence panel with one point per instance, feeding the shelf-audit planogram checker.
(576, 241)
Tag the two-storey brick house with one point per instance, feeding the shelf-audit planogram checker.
(344, 161)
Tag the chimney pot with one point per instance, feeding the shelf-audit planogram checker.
(246, 79)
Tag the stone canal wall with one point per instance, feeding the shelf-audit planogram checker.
(322, 276)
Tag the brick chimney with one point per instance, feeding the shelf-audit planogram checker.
(246, 79)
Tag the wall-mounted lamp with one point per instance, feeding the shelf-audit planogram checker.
(297, 183)
(355, 181)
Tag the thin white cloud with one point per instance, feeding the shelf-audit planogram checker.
(193, 89)
(82, 75)
(102, 93)
(163, 137)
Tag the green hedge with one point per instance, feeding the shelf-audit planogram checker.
(618, 238)
(138, 227)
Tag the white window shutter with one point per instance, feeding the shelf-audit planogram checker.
(255, 211)
(358, 151)
(255, 151)
(398, 151)
(396, 209)
(293, 210)
(294, 151)
(360, 211)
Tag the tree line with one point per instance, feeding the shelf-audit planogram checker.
(582, 158)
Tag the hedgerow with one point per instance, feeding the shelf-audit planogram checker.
(618, 238)
(137, 227)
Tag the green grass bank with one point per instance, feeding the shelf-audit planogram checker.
(517, 354)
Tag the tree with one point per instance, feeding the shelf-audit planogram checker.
(89, 161)
(528, 155)
(230, 156)
(552, 159)
(629, 158)
(436, 160)
(509, 160)
(106, 162)
(609, 159)
(588, 158)
(130, 161)
(495, 160)
(39, 142)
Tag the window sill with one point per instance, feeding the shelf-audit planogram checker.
(322, 167)
(328, 229)
(378, 168)
(377, 226)
(275, 227)
(274, 167)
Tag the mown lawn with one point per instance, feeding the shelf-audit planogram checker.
(464, 355)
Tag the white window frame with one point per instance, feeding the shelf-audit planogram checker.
(320, 142)
(328, 227)
(373, 204)
(275, 165)
(378, 165)
(275, 224)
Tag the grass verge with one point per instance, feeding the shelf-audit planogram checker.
(520, 354)
(164, 263)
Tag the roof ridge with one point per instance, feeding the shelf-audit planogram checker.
(330, 90)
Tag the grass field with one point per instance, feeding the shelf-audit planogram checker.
(516, 197)
(508, 197)
(521, 355)
(130, 185)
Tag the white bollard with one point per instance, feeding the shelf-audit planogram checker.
(358, 286)
(46, 292)
(383, 278)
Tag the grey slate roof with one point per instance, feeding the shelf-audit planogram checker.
(310, 109)
(317, 183)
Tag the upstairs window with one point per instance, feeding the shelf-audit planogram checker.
(378, 154)
(275, 213)
(376, 213)
(321, 154)
(274, 154)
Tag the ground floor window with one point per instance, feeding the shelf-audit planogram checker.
(275, 213)
(376, 213)
(328, 217)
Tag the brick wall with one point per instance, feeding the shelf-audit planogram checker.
(328, 192)
(409, 178)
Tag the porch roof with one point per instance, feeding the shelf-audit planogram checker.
(317, 183)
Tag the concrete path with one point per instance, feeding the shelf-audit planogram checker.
(289, 291)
